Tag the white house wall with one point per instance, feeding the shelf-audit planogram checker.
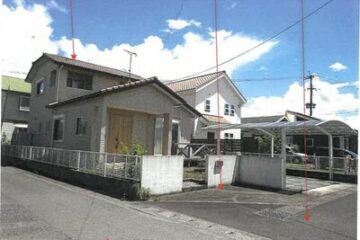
(227, 95)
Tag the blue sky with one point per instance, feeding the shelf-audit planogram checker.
(331, 35)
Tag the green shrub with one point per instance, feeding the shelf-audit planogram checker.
(139, 193)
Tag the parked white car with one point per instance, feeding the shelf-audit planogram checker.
(295, 156)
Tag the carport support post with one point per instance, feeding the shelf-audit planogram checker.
(272, 146)
(283, 158)
(331, 158)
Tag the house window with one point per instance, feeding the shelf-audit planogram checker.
(24, 104)
(232, 110)
(40, 87)
(59, 128)
(229, 135)
(226, 109)
(78, 80)
(52, 78)
(158, 136)
(207, 106)
(210, 135)
(80, 126)
(310, 142)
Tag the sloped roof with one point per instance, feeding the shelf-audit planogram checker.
(274, 118)
(193, 83)
(214, 119)
(15, 84)
(86, 65)
(124, 87)
(297, 114)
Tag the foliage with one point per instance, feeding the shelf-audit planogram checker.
(264, 144)
(134, 149)
(139, 193)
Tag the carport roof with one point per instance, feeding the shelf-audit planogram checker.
(313, 127)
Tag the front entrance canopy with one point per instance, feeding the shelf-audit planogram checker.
(313, 127)
(310, 127)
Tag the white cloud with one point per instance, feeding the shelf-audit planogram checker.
(233, 5)
(28, 30)
(31, 35)
(178, 24)
(336, 67)
(330, 103)
(52, 4)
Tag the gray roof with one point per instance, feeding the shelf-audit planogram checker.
(193, 83)
(124, 87)
(274, 118)
(313, 127)
(87, 66)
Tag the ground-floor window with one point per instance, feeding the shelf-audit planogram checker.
(59, 123)
(158, 138)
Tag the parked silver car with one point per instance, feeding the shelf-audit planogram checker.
(295, 156)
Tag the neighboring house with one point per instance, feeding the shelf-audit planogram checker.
(201, 93)
(15, 103)
(84, 106)
(315, 144)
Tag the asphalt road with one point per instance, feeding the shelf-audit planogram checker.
(36, 207)
(273, 215)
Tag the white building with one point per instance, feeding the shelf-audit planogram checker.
(201, 93)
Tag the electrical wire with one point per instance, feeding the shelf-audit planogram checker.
(260, 44)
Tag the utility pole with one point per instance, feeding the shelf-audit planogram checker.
(311, 105)
(131, 54)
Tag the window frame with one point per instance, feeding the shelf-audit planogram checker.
(207, 105)
(52, 79)
(82, 126)
(226, 109)
(71, 80)
(59, 118)
(41, 80)
(232, 110)
(22, 108)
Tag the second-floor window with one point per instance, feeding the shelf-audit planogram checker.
(207, 106)
(52, 78)
(40, 87)
(226, 109)
(24, 104)
(229, 135)
(78, 80)
(232, 110)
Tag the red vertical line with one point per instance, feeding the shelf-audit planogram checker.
(73, 55)
(218, 140)
(306, 197)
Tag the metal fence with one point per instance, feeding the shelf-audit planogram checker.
(343, 165)
(105, 164)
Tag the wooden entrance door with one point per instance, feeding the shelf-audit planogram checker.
(119, 132)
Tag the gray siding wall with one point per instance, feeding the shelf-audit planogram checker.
(11, 111)
(90, 112)
(100, 81)
(40, 120)
(189, 96)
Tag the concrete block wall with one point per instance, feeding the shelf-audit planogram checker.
(162, 174)
(262, 171)
(227, 171)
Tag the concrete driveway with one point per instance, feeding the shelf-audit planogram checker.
(274, 215)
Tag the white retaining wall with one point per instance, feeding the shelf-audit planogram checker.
(227, 171)
(162, 174)
(261, 171)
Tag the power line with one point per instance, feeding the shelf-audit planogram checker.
(177, 15)
(262, 43)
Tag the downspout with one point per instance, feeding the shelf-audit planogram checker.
(57, 100)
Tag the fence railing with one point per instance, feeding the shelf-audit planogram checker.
(105, 164)
(344, 165)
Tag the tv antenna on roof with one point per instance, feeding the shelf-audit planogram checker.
(131, 54)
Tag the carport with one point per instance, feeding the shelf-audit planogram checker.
(310, 127)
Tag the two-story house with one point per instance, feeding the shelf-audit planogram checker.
(202, 93)
(15, 106)
(84, 106)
